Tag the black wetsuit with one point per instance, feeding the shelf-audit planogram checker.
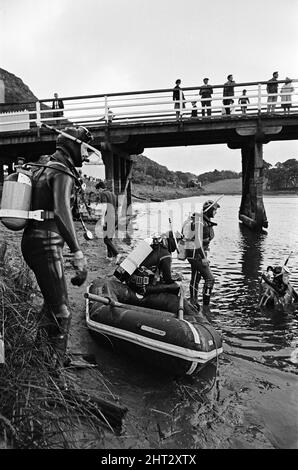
(160, 294)
(42, 242)
(110, 221)
(198, 268)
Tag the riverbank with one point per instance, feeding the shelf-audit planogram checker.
(227, 187)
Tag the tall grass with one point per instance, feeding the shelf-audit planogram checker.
(36, 411)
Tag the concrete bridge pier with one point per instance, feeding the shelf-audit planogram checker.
(118, 168)
(252, 211)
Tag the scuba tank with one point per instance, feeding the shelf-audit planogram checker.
(133, 261)
(16, 199)
(17, 193)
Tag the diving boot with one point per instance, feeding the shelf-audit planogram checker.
(58, 337)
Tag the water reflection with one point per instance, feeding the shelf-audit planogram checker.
(251, 247)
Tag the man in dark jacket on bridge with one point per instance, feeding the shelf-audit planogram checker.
(228, 91)
(272, 90)
(57, 103)
(205, 92)
(178, 97)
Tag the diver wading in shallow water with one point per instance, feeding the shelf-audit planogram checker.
(196, 252)
(53, 190)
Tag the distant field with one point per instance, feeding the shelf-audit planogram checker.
(229, 186)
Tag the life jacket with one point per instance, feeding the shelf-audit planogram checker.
(142, 277)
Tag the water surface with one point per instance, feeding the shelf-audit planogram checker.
(249, 399)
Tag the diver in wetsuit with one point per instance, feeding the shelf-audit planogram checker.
(152, 284)
(53, 190)
(154, 275)
(196, 256)
(110, 218)
(276, 288)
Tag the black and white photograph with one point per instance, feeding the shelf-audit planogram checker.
(148, 229)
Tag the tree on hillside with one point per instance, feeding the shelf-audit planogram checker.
(283, 175)
(216, 175)
(147, 171)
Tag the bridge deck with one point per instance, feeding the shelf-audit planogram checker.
(143, 119)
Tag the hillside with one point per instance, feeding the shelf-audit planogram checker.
(15, 91)
(152, 180)
(150, 172)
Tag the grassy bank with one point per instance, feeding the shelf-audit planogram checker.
(231, 186)
(42, 406)
(227, 187)
(163, 192)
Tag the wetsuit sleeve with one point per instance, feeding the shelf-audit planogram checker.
(165, 268)
(62, 190)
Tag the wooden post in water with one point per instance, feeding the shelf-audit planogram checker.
(252, 212)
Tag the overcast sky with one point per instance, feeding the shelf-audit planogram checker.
(99, 46)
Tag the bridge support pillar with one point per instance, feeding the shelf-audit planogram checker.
(108, 159)
(1, 173)
(252, 212)
(118, 167)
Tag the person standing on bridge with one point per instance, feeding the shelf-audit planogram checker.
(57, 103)
(178, 97)
(286, 95)
(243, 101)
(53, 189)
(228, 91)
(205, 92)
(194, 111)
(272, 90)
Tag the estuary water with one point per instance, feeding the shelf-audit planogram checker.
(249, 399)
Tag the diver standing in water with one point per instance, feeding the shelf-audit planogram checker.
(53, 190)
(196, 255)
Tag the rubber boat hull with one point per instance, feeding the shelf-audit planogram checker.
(158, 338)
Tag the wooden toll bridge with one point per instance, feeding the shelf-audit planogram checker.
(124, 124)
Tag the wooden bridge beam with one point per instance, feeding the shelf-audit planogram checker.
(252, 211)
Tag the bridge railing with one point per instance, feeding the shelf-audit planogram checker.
(150, 105)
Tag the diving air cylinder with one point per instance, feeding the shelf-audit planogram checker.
(16, 199)
(133, 261)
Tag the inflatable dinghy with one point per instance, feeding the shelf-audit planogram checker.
(160, 338)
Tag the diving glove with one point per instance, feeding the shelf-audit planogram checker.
(79, 263)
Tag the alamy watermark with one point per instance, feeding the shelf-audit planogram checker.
(119, 223)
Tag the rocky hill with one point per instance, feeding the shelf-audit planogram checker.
(16, 91)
